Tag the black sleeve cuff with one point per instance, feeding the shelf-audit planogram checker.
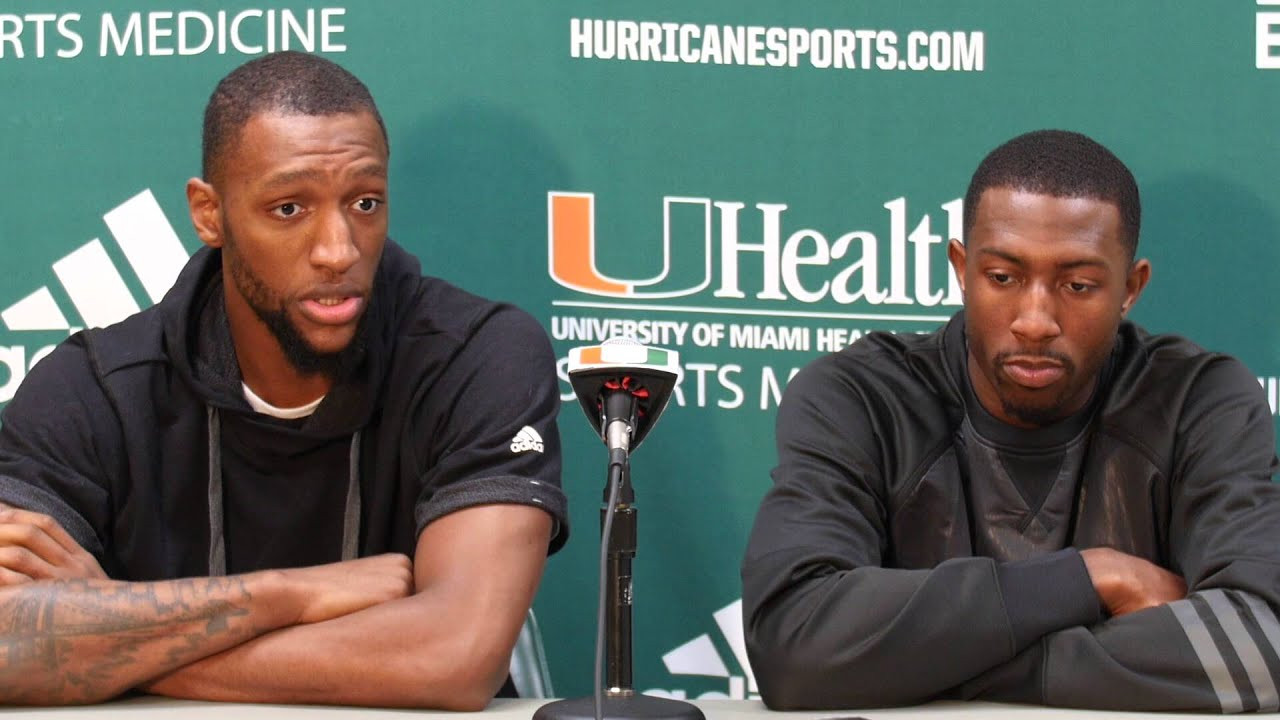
(504, 490)
(1047, 593)
(29, 497)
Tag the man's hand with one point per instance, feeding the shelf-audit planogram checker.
(337, 589)
(35, 547)
(1127, 584)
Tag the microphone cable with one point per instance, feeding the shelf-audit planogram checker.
(606, 530)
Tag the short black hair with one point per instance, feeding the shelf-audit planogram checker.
(287, 82)
(1061, 164)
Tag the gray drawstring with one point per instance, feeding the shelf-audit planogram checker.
(351, 515)
(217, 535)
(217, 539)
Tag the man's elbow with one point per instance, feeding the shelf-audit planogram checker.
(472, 698)
(779, 693)
(797, 675)
(788, 677)
(473, 676)
(472, 692)
(455, 692)
(785, 686)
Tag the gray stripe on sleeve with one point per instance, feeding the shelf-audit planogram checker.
(1254, 664)
(1266, 619)
(1214, 666)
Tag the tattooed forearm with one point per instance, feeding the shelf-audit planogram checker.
(86, 640)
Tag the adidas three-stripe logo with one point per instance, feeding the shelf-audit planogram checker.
(525, 440)
(700, 657)
(1236, 637)
(93, 282)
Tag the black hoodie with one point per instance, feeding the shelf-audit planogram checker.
(137, 437)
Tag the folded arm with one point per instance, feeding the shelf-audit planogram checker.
(447, 646)
(87, 640)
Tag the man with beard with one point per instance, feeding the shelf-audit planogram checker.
(1039, 502)
(310, 474)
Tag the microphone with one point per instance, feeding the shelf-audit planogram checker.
(623, 387)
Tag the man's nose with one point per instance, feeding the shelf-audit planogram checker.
(1036, 320)
(334, 245)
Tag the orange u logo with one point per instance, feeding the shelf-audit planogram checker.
(571, 256)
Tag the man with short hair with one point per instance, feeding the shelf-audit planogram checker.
(1039, 502)
(296, 478)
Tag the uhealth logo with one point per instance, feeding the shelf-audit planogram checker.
(97, 290)
(801, 266)
(700, 657)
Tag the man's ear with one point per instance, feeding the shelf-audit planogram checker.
(1137, 279)
(206, 212)
(956, 254)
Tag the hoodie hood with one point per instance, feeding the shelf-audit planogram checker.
(197, 337)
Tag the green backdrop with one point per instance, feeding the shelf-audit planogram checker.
(751, 182)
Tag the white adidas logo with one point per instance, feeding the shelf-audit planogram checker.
(525, 440)
(94, 284)
(700, 657)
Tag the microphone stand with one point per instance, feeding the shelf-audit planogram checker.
(621, 550)
(619, 700)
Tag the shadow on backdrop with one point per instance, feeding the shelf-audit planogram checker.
(1212, 245)
(479, 178)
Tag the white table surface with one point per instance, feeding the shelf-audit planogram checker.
(155, 707)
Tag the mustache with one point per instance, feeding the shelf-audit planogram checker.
(1051, 356)
(339, 289)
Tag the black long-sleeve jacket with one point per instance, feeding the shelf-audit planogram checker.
(914, 547)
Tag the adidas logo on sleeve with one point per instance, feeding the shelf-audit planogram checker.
(525, 440)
